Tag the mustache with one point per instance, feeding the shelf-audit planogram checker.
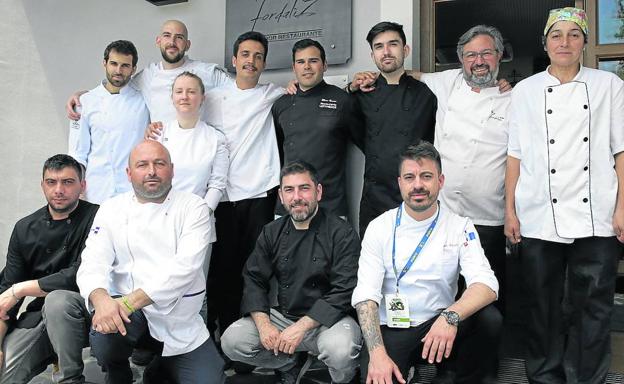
(480, 66)
(419, 191)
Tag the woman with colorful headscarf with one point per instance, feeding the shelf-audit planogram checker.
(565, 204)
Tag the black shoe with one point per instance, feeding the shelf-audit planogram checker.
(242, 368)
(293, 375)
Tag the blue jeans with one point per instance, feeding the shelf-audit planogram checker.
(202, 365)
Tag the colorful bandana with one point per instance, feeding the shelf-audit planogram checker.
(575, 15)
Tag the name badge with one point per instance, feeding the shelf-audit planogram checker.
(397, 311)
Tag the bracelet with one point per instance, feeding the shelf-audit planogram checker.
(13, 293)
(125, 302)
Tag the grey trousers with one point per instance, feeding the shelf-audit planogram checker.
(62, 334)
(338, 347)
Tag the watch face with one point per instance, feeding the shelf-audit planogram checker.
(451, 317)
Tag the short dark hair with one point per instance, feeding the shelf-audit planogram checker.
(299, 166)
(422, 150)
(306, 43)
(60, 161)
(192, 76)
(385, 26)
(255, 36)
(124, 47)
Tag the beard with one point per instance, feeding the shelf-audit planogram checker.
(424, 204)
(172, 59)
(309, 210)
(389, 68)
(483, 81)
(152, 194)
(116, 81)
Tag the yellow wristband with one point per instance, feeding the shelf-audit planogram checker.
(125, 302)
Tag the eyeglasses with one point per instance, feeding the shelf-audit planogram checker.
(486, 54)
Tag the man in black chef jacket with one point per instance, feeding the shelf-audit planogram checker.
(315, 124)
(399, 111)
(312, 254)
(42, 260)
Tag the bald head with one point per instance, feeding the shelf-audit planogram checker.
(175, 24)
(150, 171)
(173, 42)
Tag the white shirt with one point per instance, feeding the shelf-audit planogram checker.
(471, 136)
(110, 126)
(431, 282)
(159, 248)
(244, 116)
(201, 160)
(155, 84)
(566, 136)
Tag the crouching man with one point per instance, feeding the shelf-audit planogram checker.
(142, 275)
(313, 255)
(41, 263)
(407, 281)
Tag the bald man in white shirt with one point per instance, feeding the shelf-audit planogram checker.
(142, 275)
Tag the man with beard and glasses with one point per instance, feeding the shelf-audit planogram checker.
(407, 281)
(142, 275)
(155, 80)
(312, 254)
(113, 118)
(398, 112)
(471, 136)
(41, 264)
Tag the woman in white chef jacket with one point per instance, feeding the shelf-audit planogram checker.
(198, 150)
(563, 206)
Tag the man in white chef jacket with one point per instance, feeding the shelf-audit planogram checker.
(142, 275)
(113, 118)
(155, 80)
(242, 111)
(565, 204)
(471, 136)
(407, 282)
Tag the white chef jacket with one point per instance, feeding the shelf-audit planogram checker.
(566, 136)
(159, 248)
(110, 126)
(244, 116)
(431, 283)
(471, 136)
(201, 160)
(155, 84)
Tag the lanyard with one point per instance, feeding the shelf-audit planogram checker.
(416, 252)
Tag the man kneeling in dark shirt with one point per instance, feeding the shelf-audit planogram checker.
(313, 256)
(42, 260)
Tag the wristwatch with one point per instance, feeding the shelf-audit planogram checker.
(451, 317)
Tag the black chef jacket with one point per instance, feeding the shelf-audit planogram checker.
(47, 250)
(315, 126)
(395, 116)
(315, 269)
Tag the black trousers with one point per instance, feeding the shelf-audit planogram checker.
(474, 353)
(493, 243)
(238, 226)
(570, 289)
